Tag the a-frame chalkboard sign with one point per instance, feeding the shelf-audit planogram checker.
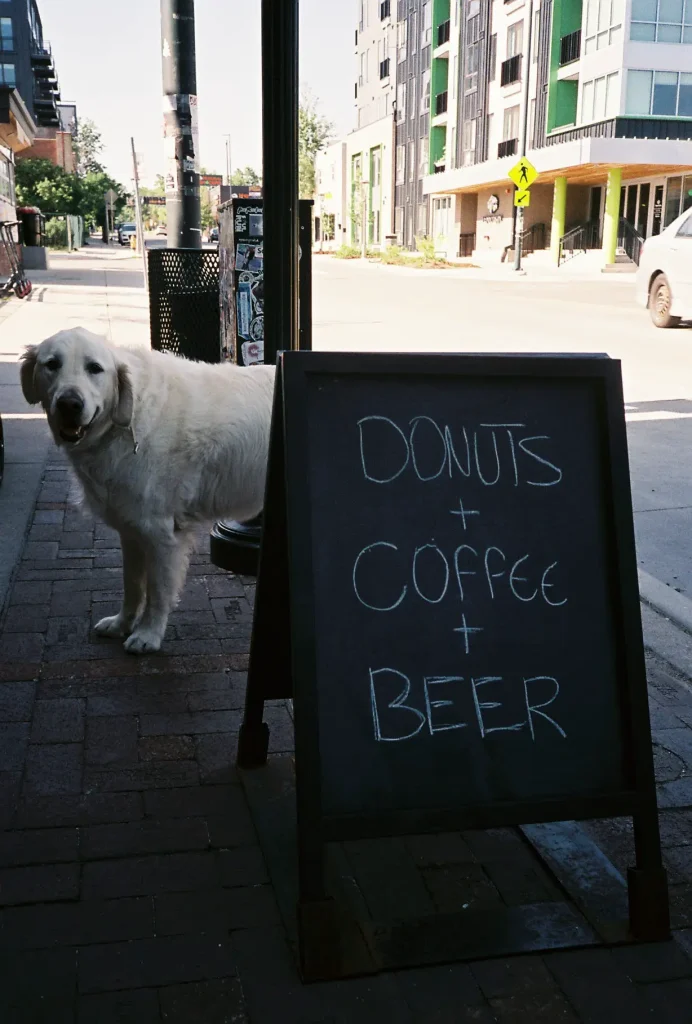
(448, 592)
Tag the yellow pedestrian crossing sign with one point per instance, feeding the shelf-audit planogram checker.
(522, 197)
(523, 174)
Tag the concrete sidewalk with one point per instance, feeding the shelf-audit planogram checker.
(97, 288)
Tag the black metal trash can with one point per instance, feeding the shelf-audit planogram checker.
(31, 221)
(184, 303)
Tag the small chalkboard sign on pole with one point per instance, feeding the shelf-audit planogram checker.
(448, 591)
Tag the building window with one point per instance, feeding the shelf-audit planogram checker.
(7, 74)
(411, 161)
(603, 24)
(6, 34)
(426, 27)
(600, 98)
(510, 124)
(376, 167)
(414, 32)
(425, 92)
(468, 143)
(471, 70)
(401, 101)
(492, 63)
(400, 164)
(424, 159)
(661, 93)
(678, 198)
(452, 155)
(401, 41)
(515, 38)
(661, 21)
(328, 227)
(442, 217)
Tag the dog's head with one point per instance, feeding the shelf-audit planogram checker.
(80, 382)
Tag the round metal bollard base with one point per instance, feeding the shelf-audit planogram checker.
(235, 546)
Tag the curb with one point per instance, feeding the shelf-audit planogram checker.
(664, 599)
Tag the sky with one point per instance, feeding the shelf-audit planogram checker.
(108, 59)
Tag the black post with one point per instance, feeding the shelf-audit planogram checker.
(235, 546)
(280, 174)
(180, 124)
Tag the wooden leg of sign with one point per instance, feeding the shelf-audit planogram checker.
(253, 739)
(647, 883)
(319, 940)
(648, 903)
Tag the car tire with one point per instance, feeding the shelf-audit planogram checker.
(659, 303)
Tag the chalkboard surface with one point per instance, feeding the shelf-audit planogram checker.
(456, 533)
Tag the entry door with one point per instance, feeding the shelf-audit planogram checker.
(635, 203)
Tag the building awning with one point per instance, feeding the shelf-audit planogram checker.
(583, 161)
(17, 128)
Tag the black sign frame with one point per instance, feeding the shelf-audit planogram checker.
(283, 657)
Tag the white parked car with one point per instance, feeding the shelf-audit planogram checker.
(664, 277)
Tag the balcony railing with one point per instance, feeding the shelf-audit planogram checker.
(385, 9)
(384, 68)
(570, 47)
(510, 70)
(441, 103)
(443, 33)
(507, 148)
(630, 240)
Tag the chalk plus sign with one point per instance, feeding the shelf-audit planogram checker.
(463, 512)
(467, 630)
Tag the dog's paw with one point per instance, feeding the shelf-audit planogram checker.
(143, 641)
(113, 625)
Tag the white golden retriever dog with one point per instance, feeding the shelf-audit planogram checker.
(160, 445)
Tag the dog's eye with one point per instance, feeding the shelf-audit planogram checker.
(94, 368)
(52, 364)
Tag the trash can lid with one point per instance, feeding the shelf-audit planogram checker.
(28, 209)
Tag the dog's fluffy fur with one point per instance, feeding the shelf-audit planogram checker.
(160, 445)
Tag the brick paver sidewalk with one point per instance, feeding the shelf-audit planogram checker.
(132, 885)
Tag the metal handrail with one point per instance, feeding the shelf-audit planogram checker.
(579, 239)
(630, 240)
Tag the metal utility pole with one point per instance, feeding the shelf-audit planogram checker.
(138, 216)
(229, 172)
(180, 124)
(526, 72)
(364, 218)
(280, 102)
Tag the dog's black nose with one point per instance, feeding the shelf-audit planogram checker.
(70, 404)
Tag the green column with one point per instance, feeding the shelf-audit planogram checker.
(612, 215)
(557, 226)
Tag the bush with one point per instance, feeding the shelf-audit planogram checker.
(348, 252)
(56, 233)
(426, 246)
(394, 255)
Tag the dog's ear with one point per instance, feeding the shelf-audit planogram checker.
(27, 375)
(122, 417)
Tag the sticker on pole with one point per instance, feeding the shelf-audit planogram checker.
(523, 174)
(522, 197)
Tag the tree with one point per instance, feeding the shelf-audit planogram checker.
(87, 145)
(314, 133)
(247, 176)
(93, 187)
(40, 183)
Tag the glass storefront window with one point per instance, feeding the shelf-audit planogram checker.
(673, 190)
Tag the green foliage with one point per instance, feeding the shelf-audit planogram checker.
(93, 187)
(40, 183)
(87, 145)
(394, 256)
(314, 133)
(426, 246)
(348, 252)
(246, 176)
(56, 233)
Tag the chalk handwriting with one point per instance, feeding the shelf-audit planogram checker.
(494, 571)
(400, 713)
(467, 631)
(429, 450)
(464, 512)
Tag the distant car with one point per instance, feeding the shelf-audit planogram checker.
(664, 277)
(214, 235)
(161, 231)
(125, 233)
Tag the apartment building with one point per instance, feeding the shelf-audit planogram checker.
(609, 121)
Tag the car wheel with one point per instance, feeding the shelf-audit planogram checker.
(660, 301)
